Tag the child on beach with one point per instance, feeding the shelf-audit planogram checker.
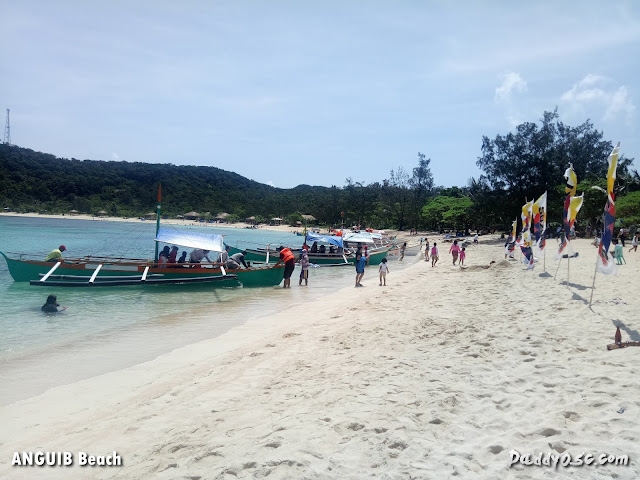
(454, 251)
(634, 243)
(384, 269)
(434, 254)
(463, 254)
(304, 267)
(426, 249)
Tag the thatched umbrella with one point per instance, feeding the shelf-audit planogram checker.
(192, 215)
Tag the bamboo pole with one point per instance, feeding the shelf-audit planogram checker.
(593, 285)
(559, 262)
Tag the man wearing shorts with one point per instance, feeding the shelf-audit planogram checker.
(286, 257)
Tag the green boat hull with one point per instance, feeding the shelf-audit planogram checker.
(27, 270)
(319, 259)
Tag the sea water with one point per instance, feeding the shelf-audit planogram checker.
(105, 329)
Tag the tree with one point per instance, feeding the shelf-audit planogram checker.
(448, 211)
(397, 196)
(628, 208)
(421, 184)
(533, 159)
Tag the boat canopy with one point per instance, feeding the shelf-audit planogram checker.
(205, 241)
(316, 237)
(360, 237)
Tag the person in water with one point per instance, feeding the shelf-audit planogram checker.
(52, 305)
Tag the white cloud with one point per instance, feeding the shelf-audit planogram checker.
(115, 157)
(512, 83)
(598, 96)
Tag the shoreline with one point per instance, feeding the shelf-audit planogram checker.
(441, 373)
(404, 235)
(170, 221)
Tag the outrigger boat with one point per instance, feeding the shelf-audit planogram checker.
(341, 256)
(112, 271)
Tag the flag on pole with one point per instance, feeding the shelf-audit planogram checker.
(606, 264)
(540, 223)
(570, 191)
(526, 234)
(575, 204)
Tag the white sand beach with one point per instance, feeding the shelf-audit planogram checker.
(438, 375)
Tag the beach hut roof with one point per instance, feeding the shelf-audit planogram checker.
(73, 211)
(222, 215)
(308, 217)
(102, 212)
(150, 214)
(276, 218)
(192, 214)
(252, 217)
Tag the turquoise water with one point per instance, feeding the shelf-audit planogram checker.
(106, 329)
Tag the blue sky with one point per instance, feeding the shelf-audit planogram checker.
(291, 92)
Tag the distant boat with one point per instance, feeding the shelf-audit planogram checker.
(341, 256)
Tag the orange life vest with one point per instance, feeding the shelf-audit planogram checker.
(287, 254)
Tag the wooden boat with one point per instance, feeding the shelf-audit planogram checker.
(105, 271)
(111, 271)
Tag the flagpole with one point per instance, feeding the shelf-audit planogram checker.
(559, 262)
(158, 212)
(593, 285)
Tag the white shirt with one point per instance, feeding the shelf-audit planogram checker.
(384, 268)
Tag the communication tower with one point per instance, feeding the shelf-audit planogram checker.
(7, 131)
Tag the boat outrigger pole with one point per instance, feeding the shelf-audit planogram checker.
(155, 259)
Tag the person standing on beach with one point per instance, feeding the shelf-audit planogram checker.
(402, 249)
(361, 261)
(55, 255)
(426, 249)
(634, 243)
(384, 269)
(289, 260)
(434, 254)
(454, 251)
(463, 255)
(304, 267)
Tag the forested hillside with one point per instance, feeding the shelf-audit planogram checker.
(41, 182)
(517, 167)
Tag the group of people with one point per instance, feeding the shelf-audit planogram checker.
(458, 253)
(169, 255)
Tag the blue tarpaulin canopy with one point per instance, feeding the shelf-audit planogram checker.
(316, 237)
(204, 241)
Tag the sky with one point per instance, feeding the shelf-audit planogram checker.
(295, 92)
